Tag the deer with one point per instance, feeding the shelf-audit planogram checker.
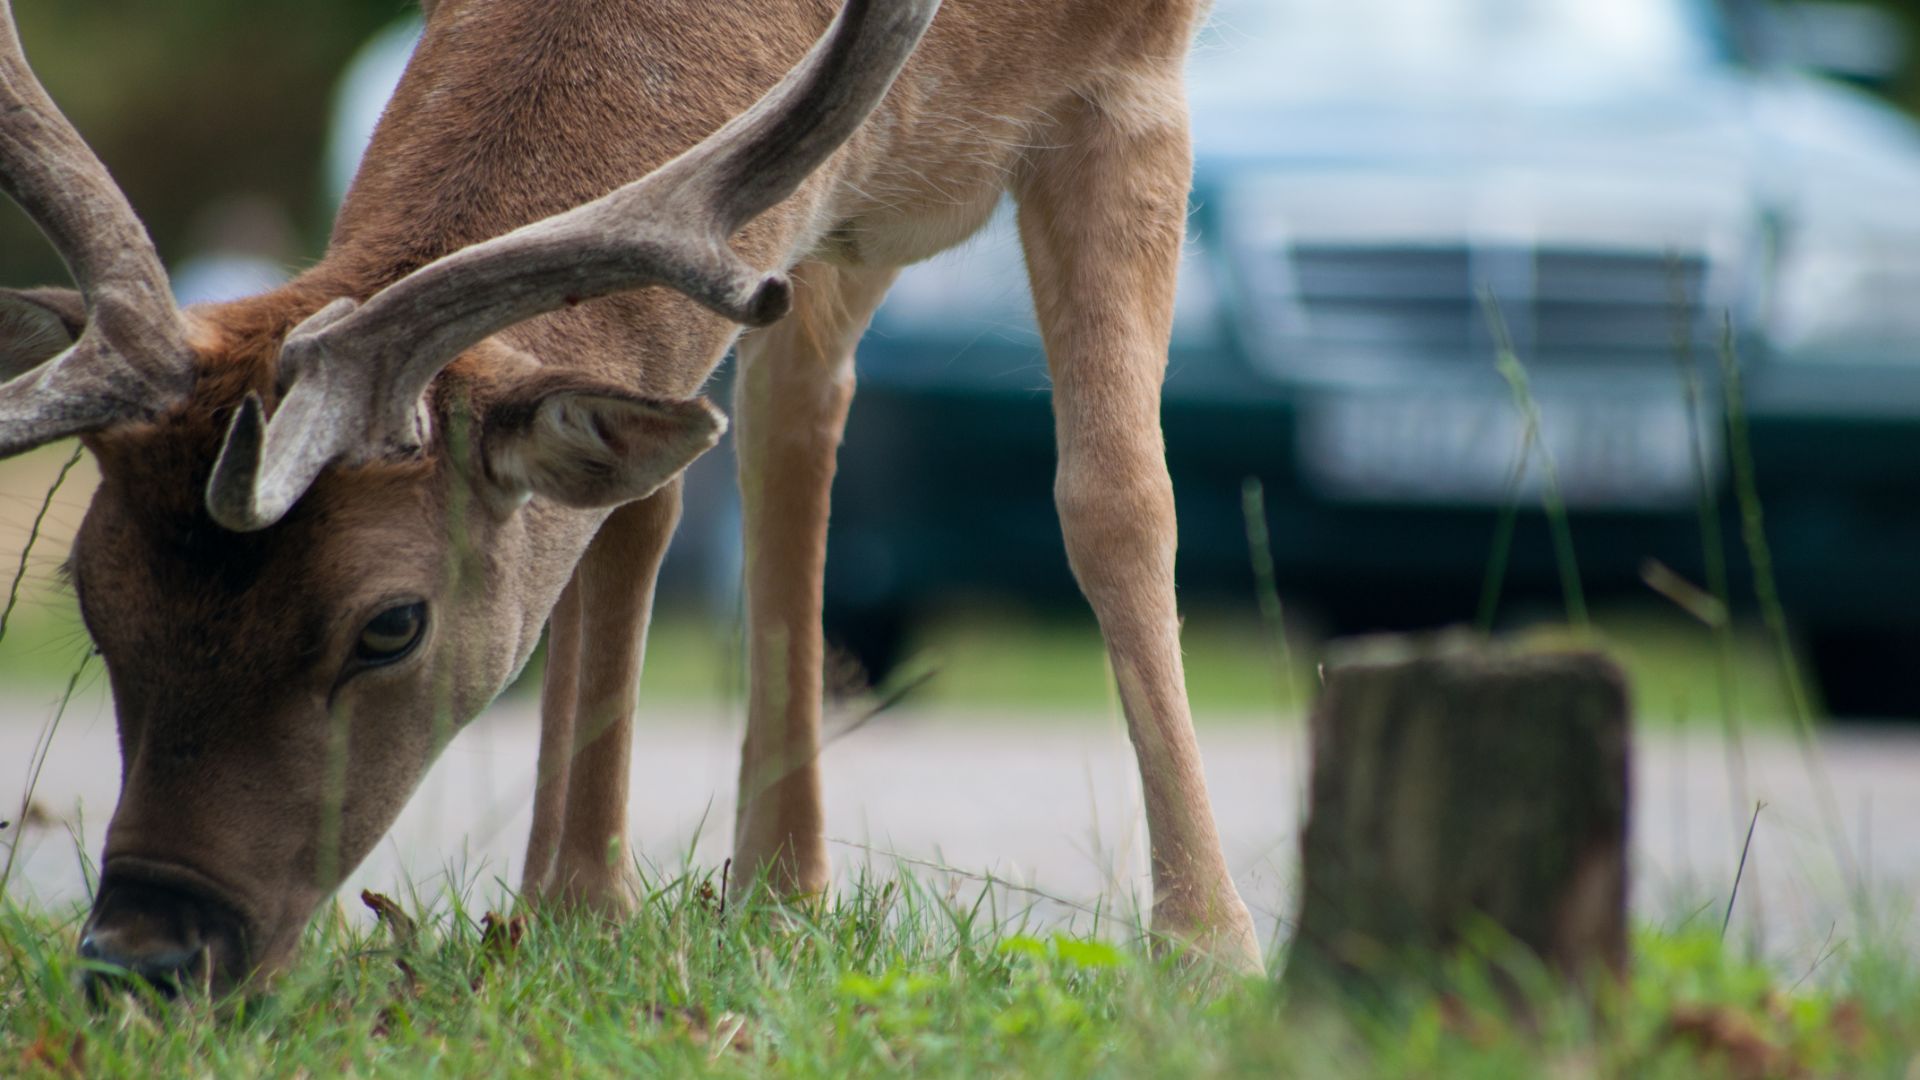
(333, 520)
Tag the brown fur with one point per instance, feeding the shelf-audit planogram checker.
(223, 647)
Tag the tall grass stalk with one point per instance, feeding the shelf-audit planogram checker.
(1502, 551)
(1253, 506)
(42, 746)
(1713, 553)
(43, 743)
(33, 537)
(1753, 534)
(1507, 361)
(1740, 872)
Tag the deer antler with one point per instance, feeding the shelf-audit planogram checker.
(368, 366)
(133, 352)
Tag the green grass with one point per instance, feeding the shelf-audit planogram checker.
(915, 978)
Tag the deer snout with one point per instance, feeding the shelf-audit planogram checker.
(169, 937)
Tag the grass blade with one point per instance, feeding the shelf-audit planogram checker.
(1253, 506)
(1766, 591)
(1741, 871)
(33, 537)
(1507, 360)
(1713, 552)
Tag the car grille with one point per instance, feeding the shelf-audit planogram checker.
(1326, 301)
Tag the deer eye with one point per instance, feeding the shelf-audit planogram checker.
(391, 634)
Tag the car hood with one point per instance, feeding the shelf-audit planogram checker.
(1458, 125)
(1779, 146)
(1661, 170)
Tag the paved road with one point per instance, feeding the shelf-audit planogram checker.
(1056, 806)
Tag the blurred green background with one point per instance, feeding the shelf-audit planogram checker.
(190, 102)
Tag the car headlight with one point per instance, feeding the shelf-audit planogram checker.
(1855, 302)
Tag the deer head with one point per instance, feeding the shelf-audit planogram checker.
(329, 529)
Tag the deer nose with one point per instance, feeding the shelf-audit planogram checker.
(165, 969)
(167, 938)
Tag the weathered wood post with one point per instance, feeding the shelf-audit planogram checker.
(1455, 782)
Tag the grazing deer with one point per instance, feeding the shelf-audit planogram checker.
(333, 519)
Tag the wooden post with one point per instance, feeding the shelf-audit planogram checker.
(1456, 781)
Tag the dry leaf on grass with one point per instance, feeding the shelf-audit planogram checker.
(728, 1031)
(1849, 1023)
(49, 1054)
(710, 900)
(398, 923)
(500, 935)
(1717, 1031)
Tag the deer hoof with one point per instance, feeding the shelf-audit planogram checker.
(1218, 935)
(601, 891)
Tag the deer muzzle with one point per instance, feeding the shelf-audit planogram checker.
(164, 927)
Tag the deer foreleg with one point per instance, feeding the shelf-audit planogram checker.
(791, 400)
(1101, 218)
(613, 594)
(557, 694)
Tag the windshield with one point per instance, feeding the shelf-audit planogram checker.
(1267, 48)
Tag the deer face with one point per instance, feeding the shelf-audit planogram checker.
(278, 694)
(281, 691)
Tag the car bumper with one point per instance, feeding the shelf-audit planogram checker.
(948, 490)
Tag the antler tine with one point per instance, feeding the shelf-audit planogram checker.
(47, 168)
(670, 228)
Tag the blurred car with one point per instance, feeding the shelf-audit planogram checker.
(1386, 188)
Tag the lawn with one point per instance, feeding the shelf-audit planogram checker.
(919, 977)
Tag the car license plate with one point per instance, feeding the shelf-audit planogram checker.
(1608, 452)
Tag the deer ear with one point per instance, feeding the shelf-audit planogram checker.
(35, 326)
(587, 444)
